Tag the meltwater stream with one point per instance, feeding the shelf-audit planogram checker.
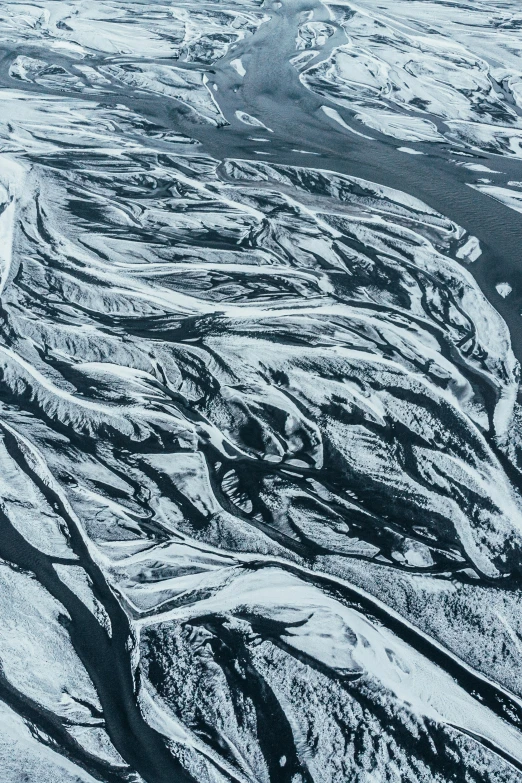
(260, 307)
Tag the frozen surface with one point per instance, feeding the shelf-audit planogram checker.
(260, 453)
(407, 63)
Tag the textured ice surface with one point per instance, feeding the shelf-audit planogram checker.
(260, 454)
(406, 63)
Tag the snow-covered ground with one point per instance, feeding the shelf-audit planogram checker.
(260, 493)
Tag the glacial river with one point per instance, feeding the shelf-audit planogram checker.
(260, 451)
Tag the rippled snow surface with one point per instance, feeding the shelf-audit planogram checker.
(260, 446)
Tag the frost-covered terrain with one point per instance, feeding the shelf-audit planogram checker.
(260, 447)
(424, 70)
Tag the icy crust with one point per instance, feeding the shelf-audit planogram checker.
(462, 615)
(427, 71)
(97, 47)
(137, 28)
(398, 333)
(270, 662)
(22, 748)
(253, 362)
(258, 510)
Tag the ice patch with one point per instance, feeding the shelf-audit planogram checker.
(334, 115)
(238, 66)
(504, 289)
(247, 119)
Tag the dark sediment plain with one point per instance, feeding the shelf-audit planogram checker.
(260, 430)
